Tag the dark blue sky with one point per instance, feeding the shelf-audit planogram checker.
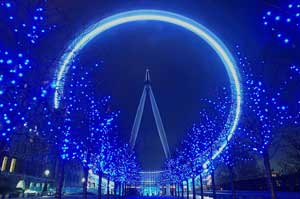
(183, 68)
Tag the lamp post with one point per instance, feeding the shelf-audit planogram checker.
(46, 173)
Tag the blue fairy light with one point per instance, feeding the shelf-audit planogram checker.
(8, 5)
(283, 22)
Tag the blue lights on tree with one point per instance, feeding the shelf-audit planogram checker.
(11, 87)
(295, 69)
(266, 110)
(266, 113)
(283, 21)
(90, 131)
(195, 155)
(17, 91)
(27, 22)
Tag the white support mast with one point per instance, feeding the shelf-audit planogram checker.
(138, 117)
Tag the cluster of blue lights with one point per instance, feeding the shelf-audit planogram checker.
(205, 136)
(266, 111)
(31, 27)
(18, 96)
(264, 106)
(295, 68)
(89, 129)
(283, 22)
(234, 153)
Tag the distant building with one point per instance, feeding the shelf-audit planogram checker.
(30, 166)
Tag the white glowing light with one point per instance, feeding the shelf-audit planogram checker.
(47, 172)
(163, 16)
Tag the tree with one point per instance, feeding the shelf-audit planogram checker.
(21, 30)
(202, 140)
(233, 154)
(266, 115)
(176, 165)
(193, 148)
(127, 165)
(218, 109)
(290, 147)
(214, 122)
(91, 122)
(103, 158)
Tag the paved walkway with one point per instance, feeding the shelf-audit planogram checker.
(220, 195)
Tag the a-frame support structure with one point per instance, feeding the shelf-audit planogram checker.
(138, 117)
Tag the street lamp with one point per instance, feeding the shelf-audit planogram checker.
(46, 173)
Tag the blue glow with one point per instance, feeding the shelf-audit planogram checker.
(8, 5)
(9, 61)
(163, 16)
(286, 41)
(276, 18)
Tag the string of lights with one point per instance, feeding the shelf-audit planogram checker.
(283, 22)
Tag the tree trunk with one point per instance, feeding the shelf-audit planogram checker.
(100, 185)
(107, 188)
(60, 180)
(172, 193)
(233, 192)
(182, 190)
(213, 184)
(269, 174)
(124, 190)
(201, 186)
(187, 189)
(194, 188)
(120, 190)
(85, 183)
(115, 190)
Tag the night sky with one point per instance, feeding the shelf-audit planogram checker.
(183, 68)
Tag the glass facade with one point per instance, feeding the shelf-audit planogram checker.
(152, 184)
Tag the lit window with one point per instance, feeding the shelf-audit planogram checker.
(12, 165)
(4, 163)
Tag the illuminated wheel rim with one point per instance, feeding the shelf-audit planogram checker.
(158, 15)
